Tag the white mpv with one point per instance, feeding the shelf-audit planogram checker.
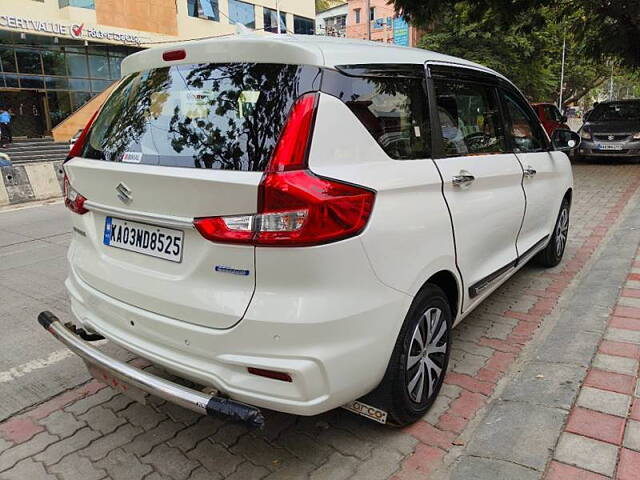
(297, 223)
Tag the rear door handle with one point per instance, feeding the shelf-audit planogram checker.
(529, 171)
(463, 179)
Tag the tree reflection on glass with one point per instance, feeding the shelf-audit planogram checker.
(220, 116)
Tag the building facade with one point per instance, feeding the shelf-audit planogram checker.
(385, 26)
(56, 55)
(333, 21)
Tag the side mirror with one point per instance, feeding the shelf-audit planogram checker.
(564, 119)
(564, 140)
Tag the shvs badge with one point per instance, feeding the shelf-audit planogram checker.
(368, 411)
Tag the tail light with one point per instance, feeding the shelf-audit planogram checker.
(78, 146)
(72, 199)
(295, 207)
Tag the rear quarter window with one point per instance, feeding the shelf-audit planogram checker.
(214, 116)
(393, 109)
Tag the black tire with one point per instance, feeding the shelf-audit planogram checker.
(551, 256)
(393, 394)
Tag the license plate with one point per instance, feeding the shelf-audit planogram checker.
(609, 146)
(130, 391)
(142, 238)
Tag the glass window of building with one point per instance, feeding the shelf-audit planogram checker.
(243, 13)
(357, 12)
(304, 26)
(54, 62)
(77, 65)
(98, 66)
(271, 23)
(28, 61)
(77, 3)
(7, 59)
(207, 9)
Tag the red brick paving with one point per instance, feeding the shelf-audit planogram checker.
(631, 312)
(631, 292)
(635, 409)
(561, 471)
(629, 466)
(614, 382)
(19, 429)
(626, 323)
(620, 349)
(596, 425)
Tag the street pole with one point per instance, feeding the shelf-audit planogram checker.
(368, 13)
(278, 16)
(564, 50)
(611, 84)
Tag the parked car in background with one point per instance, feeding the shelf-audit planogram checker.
(282, 234)
(612, 129)
(550, 117)
(5, 161)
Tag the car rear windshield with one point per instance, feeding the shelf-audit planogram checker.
(616, 111)
(216, 116)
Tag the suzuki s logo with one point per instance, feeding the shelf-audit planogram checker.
(610, 137)
(124, 193)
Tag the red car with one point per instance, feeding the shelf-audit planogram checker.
(550, 117)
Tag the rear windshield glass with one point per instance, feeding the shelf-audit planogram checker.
(616, 111)
(217, 116)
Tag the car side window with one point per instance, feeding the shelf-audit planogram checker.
(523, 129)
(553, 113)
(469, 118)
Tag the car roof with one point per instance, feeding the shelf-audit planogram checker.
(313, 50)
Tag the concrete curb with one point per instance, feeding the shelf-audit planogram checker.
(33, 181)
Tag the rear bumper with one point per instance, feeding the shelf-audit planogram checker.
(334, 354)
(188, 398)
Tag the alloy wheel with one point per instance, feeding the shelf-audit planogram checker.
(427, 354)
(562, 229)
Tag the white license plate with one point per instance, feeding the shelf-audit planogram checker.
(609, 146)
(142, 238)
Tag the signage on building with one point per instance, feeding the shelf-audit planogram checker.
(77, 31)
(400, 32)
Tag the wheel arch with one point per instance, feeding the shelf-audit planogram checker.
(569, 195)
(450, 285)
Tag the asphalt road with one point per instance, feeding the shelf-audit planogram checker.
(33, 266)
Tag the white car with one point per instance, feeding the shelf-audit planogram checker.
(297, 223)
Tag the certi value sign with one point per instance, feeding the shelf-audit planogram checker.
(74, 30)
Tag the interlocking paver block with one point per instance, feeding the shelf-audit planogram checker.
(600, 426)
(621, 335)
(142, 416)
(62, 423)
(81, 406)
(346, 443)
(118, 403)
(604, 401)
(381, 465)
(229, 433)
(27, 469)
(632, 436)
(105, 444)
(121, 465)
(73, 466)
(179, 414)
(189, 437)
(78, 440)
(19, 429)
(561, 471)
(142, 444)
(215, 458)
(171, 462)
(338, 467)
(102, 419)
(305, 448)
(475, 468)
(10, 457)
(248, 471)
(260, 452)
(202, 473)
(587, 453)
(612, 363)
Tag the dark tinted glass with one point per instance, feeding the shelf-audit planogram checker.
(615, 111)
(271, 22)
(303, 26)
(218, 116)
(8, 60)
(469, 118)
(28, 61)
(522, 126)
(54, 63)
(393, 109)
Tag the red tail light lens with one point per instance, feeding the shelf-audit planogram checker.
(284, 377)
(72, 199)
(77, 147)
(174, 55)
(295, 207)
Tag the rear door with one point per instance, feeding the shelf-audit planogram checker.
(543, 180)
(170, 145)
(482, 181)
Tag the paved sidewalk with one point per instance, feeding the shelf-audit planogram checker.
(90, 432)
